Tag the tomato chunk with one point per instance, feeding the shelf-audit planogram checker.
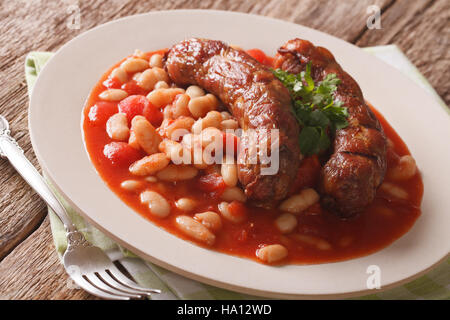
(212, 182)
(132, 88)
(153, 114)
(121, 153)
(237, 209)
(133, 106)
(101, 111)
(307, 174)
(260, 56)
(112, 83)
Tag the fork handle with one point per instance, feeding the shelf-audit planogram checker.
(10, 149)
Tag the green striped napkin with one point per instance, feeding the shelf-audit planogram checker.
(434, 285)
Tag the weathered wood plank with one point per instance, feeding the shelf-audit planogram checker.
(33, 271)
(344, 19)
(422, 30)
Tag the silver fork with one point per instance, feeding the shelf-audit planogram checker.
(88, 266)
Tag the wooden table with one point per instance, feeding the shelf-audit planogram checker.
(29, 266)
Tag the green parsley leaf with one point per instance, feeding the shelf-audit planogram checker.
(307, 77)
(315, 108)
(309, 139)
(318, 118)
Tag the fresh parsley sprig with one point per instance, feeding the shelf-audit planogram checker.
(315, 108)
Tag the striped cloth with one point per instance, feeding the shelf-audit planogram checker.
(434, 285)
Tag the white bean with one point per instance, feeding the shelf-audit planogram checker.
(232, 194)
(176, 152)
(162, 97)
(137, 76)
(151, 179)
(405, 169)
(394, 190)
(197, 127)
(286, 223)
(225, 115)
(200, 106)
(134, 65)
(195, 91)
(186, 204)
(180, 106)
(229, 124)
(156, 60)
(145, 134)
(132, 141)
(195, 229)
(209, 219)
(149, 165)
(173, 150)
(113, 95)
(192, 144)
(150, 77)
(157, 204)
(172, 131)
(272, 253)
(230, 215)
(229, 172)
(317, 242)
(177, 173)
(211, 135)
(119, 74)
(139, 54)
(300, 202)
(384, 211)
(161, 85)
(167, 113)
(117, 127)
(130, 185)
(212, 119)
(213, 151)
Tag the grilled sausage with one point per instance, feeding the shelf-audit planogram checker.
(255, 97)
(356, 168)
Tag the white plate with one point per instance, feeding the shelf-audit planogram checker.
(55, 114)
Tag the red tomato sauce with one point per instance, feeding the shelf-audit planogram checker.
(384, 221)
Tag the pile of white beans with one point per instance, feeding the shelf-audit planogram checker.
(198, 114)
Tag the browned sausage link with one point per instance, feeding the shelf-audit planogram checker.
(254, 96)
(357, 166)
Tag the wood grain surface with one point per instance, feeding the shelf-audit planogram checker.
(29, 266)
